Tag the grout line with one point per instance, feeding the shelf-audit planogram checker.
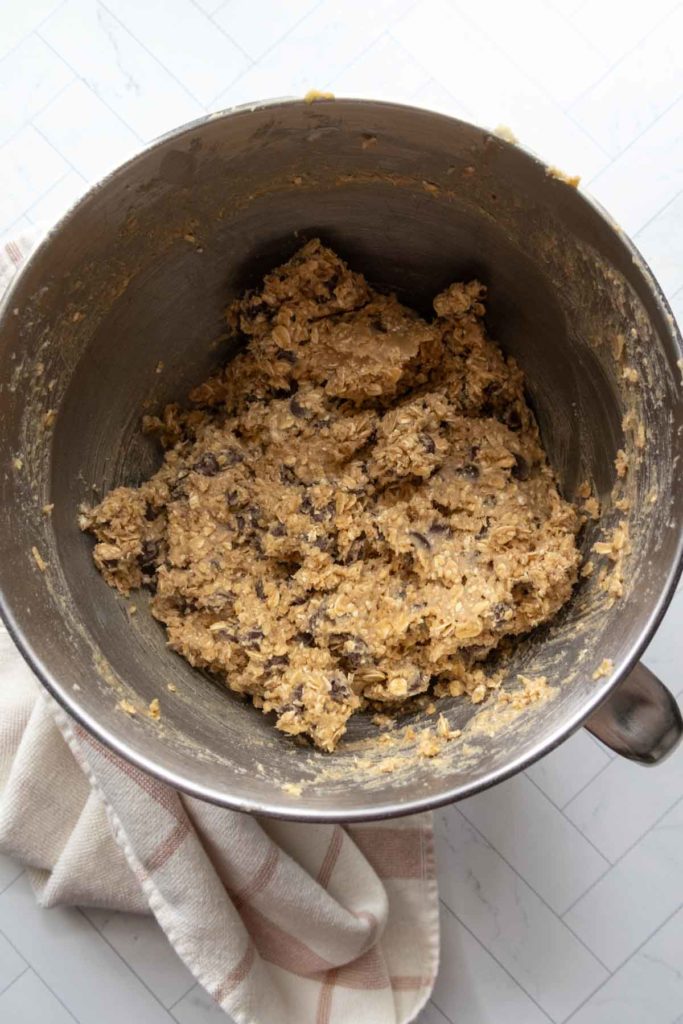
(35, 32)
(654, 216)
(55, 96)
(439, 1010)
(570, 822)
(96, 93)
(625, 853)
(181, 997)
(624, 962)
(43, 195)
(633, 141)
(366, 49)
(221, 4)
(122, 959)
(493, 957)
(45, 983)
(600, 745)
(509, 56)
(194, 984)
(418, 63)
(259, 60)
(59, 153)
(528, 884)
(29, 122)
(215, 25)
(150, 54)
(623, 56)
(12, 881)
(14, 980)
(585, 786)
(361, 53)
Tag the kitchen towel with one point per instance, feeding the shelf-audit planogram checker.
(280, 921)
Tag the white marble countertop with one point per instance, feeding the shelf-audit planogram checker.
(562, 889)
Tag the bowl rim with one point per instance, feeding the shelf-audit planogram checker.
(289, 808)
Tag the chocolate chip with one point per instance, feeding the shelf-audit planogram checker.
(356, 550)
(520, 470)
(206, 464)
(440, 529)
(232, 456)
(316, 617)
(305, 638)
(291, 709)
(428, 443)
(297, 409)
(219, 600)
(351, 651)
(323, 543)
(500, 613)
(177, 488)
(150, 512)
(319, 515)
(339, 690)
(285, 355)
(295, 706)
(307, 506)
(420, 540)
(148, 556)
(513, 420)
(287, 475)
(260, 590)
(278, 530)
(337, 640)
(470, 471)
(418, 683)
(253, 638)
(276, 661)
(282, 393)
(235, 499)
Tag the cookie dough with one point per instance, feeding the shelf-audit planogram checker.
(356, 510)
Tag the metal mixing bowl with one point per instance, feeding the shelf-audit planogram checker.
(135, 280)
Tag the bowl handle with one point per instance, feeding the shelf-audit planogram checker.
(640, 719)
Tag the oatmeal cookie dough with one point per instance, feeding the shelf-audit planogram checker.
(357, 509)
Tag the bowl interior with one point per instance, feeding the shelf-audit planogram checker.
(122, 310)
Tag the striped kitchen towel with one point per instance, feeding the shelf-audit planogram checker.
(283, 923)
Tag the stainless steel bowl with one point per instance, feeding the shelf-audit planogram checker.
(135, 280)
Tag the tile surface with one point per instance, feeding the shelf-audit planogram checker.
(522, 823)
(501, 909)
(30, 1001)
(561, 889)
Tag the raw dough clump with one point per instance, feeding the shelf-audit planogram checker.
(355, 510)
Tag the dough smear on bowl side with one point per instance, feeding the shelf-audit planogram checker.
(355, 510)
